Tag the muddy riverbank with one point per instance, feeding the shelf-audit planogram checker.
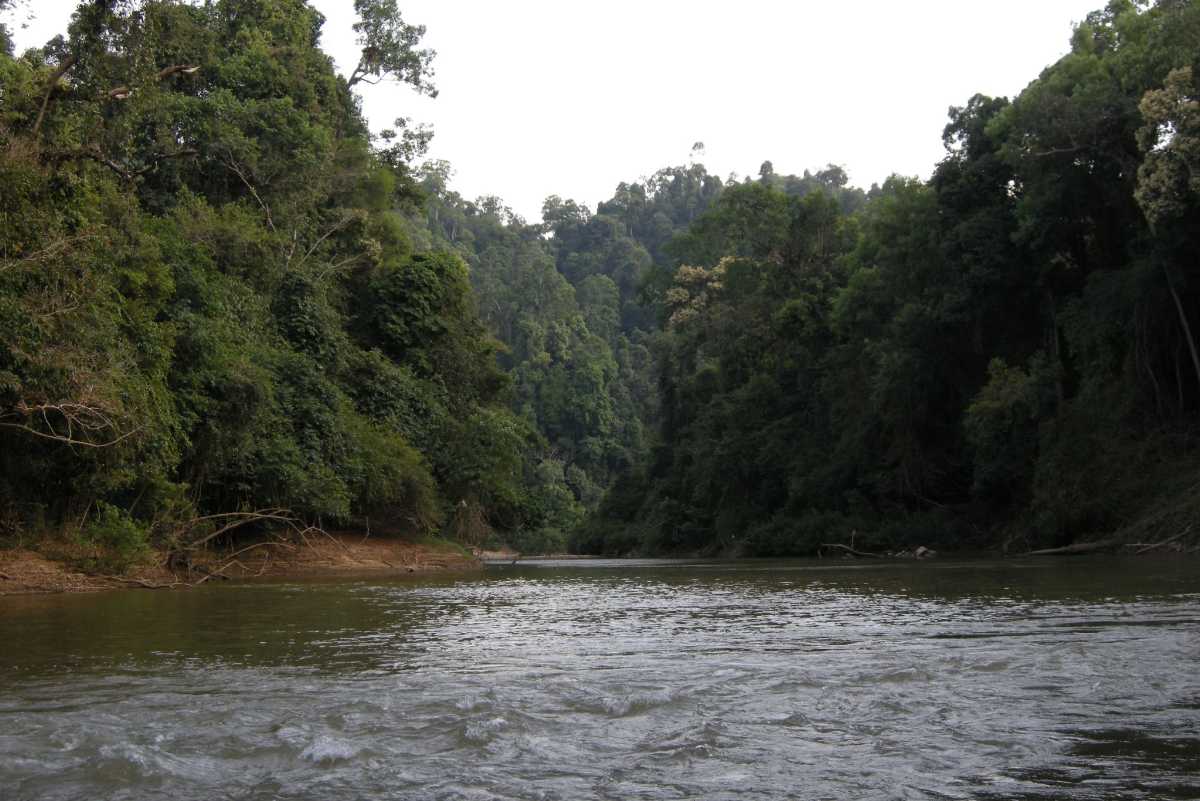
(59, 570)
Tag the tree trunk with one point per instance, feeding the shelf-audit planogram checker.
(1056, 351)
(51, 85)
(1183, 320)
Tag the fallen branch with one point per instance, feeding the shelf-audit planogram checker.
(244, 518)
(1152, 520)
(330, 537)
(1156, 545)
(273, 543)
(181, 557)
(232, 559)
(1079, 548)
(845, 548)
(147, 584)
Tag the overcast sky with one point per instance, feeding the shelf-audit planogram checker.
(541, 97)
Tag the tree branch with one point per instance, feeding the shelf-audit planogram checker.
(233, 166)
(76, 416)
(123, 92)
(68, 439)
(51, 85)
(338, 226)
(122, 171)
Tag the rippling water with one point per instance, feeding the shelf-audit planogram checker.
(1072, 679)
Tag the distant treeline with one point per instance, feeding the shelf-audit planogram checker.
(219, 293)
(1005, 354)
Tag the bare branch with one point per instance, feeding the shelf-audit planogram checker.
(245, 518)
(338, 226)
(334, 268)
(233, 166)
(122, 171)
(67, 439)
(79, 420)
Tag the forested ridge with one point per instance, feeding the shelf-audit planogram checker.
(224, 302)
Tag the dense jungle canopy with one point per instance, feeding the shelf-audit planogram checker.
(220, 294)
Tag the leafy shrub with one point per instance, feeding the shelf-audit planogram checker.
(120, 541)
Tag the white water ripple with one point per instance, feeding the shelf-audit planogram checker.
(715, 682)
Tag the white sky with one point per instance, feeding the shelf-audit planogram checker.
(541, 97)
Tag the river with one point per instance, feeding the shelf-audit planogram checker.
(1055, 679)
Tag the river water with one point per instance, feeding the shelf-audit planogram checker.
(1071, 679)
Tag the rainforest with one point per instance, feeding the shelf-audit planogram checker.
(227, 307)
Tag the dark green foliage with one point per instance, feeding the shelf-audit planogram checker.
(217, 294)
(120, 541)
(1004, 352)
(208, 301)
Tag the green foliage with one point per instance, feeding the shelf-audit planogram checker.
(1002, 426)
(1007, 348)
(216, 294)
(389, 47)
(393, 484)
(120, 541)
(210, 296)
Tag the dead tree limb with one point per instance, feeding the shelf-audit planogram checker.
(243, 518)
(847, 549)
(1154, 546)
(150, 585)
(1079, 548)
(77, 423)
(236, 170)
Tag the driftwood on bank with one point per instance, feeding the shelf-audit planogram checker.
(1154, 546)
(1080, 548)
(180, 559)
(1112, 544)
(847, 549)
(150, 585)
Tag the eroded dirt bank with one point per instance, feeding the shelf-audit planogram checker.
(24, 571)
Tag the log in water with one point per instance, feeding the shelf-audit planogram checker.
(646, 680)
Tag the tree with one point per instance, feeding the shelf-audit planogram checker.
(1169, 178)
(390, 48)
